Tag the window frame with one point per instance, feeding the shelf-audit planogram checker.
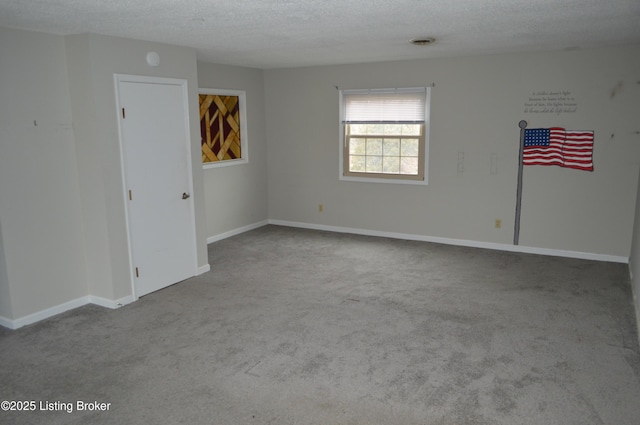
(420, 179)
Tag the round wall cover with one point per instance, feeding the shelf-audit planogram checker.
(153, 59)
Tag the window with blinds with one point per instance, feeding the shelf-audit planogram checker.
(384, 134)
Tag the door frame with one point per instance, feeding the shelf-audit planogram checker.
(143, 79)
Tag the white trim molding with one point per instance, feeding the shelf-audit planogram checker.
(203, 269)
(239, 230)
(44, 314)
(64, 307)
(112, 304)
(460, 242)
(6, 323)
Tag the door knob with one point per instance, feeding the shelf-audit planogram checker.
(185, 195)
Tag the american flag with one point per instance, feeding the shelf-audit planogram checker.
(557, 146)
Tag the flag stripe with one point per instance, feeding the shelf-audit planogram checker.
(557, 146)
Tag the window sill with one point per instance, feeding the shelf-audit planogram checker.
(381, 180)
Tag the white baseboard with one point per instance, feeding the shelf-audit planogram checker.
(460, 242)
(70, 305)
(44, 314)
(237, 231)
(61, 308)
(112, 304)
(6, 323)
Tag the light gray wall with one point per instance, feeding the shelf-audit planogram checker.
(477, 103)
(61, 191)
(40, 206)
(61, 204)
(236, 196)
(90, 168)
(6, 310)
(95, 59)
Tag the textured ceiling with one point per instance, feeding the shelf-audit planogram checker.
(291, 33)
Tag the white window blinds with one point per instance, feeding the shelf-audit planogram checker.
(384, 105)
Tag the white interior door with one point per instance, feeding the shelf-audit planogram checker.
(154, 127)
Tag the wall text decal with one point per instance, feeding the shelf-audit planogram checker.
(551, 102)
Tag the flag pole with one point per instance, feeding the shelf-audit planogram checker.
(516, 232)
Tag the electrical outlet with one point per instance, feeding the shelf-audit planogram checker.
(320, 207)
(498, 223)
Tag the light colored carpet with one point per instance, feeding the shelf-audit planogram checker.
(303, 327)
